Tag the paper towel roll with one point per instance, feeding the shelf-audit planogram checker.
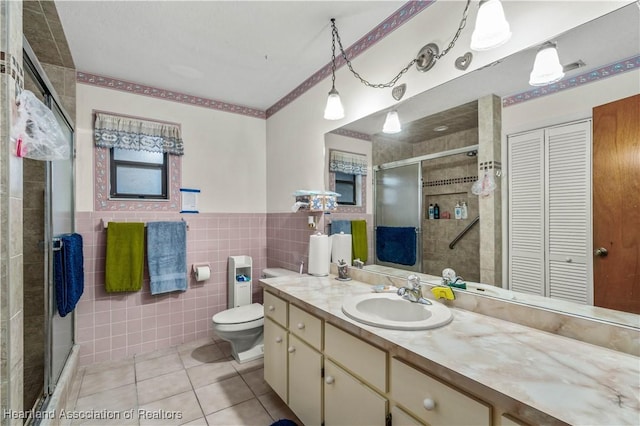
(319, 251)
(341, 248)
(203, 273)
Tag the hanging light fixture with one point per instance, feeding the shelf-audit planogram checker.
(392, 123)
(546, 67)
(492, 29)
(334, 109)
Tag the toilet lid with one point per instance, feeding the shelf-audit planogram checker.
(240, 314)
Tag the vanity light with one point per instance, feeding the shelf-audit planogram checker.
(546, 67)
(492, 28)
(392, 123)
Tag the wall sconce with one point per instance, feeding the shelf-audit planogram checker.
(392, 123)
(546, 67)
(492, 29)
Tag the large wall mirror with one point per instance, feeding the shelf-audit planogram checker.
(440, 133)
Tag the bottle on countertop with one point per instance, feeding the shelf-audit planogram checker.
(436, 211)
(431, 211)
(457, 211)
(465, 210)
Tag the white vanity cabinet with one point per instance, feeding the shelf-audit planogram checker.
(275, 357)
(433, 401)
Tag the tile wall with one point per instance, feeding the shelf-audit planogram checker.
(111, 326)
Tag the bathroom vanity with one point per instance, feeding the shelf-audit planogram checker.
(476, 370)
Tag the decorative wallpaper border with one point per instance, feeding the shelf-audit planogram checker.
(443, 182)
(101, 187)
(352, 134)
(400, 17)
(569, 83)
(168, 95)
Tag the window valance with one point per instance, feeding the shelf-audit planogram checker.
(113, 131)
(346, 162)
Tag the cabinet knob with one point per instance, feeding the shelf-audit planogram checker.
(271, 308)
(601, 252)
(291, 349)
(429, 404)
(300, 326)
(329, 380)
(278, 339)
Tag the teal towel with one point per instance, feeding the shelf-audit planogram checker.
(167, 256)
(359, 239)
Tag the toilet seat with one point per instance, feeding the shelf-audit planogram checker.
(240, 318)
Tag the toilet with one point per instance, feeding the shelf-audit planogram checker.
(242, 325)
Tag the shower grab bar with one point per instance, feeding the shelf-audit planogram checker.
(464, 231)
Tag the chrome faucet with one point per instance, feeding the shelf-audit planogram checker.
(358, 263)
(413, 291)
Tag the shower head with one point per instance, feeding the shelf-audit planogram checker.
(472, 153)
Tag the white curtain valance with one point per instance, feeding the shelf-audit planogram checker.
(113, 131)
(349, 163)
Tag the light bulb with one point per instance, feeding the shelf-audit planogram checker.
(546, 67)
(392, 123)
(334, 109)
(492, 28)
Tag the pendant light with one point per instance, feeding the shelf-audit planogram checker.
(392, 123)
(546, 67)
(334, 109)
(492, 28)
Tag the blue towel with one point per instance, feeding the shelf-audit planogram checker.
(338, 226)
(396, 244)
(68, 272)
(167, 256)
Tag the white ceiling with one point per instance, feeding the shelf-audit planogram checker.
(249, 53)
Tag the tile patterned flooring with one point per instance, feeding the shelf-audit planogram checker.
(197, 383)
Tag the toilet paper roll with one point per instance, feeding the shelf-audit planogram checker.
(341, 248)
(319, 252)
(203, 273)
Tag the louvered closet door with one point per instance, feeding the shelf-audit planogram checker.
(526, 212)
(569, 218)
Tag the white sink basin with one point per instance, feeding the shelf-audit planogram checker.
(388, 310)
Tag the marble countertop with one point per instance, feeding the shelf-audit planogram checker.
(569, 380)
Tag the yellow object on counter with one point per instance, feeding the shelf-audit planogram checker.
(443, 292)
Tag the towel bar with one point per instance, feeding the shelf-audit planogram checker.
(105, 223)
(57, 240)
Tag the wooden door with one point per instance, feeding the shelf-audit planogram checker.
(616, 204)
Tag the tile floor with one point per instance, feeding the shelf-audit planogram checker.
(197, 383)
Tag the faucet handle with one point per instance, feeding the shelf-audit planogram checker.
(414, 281)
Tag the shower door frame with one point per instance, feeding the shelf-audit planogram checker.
(406, 162)
(51, 98)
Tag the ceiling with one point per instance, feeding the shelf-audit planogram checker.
(603, 41)
(249, 53)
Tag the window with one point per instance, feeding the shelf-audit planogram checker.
(138, 174)
(134, 159)
(346, 186)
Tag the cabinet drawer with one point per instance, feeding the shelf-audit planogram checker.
(275, 308)
(366, 361)
(432, 400)
(305, 326)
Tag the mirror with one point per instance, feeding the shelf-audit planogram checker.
(610, 39)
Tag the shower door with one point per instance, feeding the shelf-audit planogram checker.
(399, 205)
(60, 199)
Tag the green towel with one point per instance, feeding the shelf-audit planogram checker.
(125, 257)
(359, 239)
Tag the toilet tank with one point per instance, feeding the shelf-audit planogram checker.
(277, 272)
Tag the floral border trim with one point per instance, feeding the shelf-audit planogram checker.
(167, 95)
(101, 187)
(352, 134)
(569, 83)
(400, 17)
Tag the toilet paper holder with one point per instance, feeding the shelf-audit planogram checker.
(199, 265)
(195, 267)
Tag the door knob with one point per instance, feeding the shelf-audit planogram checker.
(601, 252)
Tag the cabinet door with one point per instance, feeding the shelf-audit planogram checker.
(275, 357)
(569, 206)
(526, 212)
(400, 418)
(305, 381)
(348, 401)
